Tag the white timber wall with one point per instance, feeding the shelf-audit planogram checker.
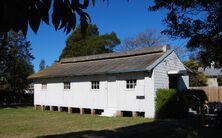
(112, 94)
(160, 72)
(149, 104)
(160, 75)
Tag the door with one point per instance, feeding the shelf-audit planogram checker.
(173, 82)
(112, 92)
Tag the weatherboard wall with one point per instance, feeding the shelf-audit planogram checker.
(112, 94)
(160, 72)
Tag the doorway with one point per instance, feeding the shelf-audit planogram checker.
(173, 82)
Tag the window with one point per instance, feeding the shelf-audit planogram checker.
(95, 85)
(130, 84)
(44, 86)
(66, 85)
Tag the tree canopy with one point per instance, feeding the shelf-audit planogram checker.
(197, 79)
(147, 38)
(17, 15)
(199, 21)
(92, 43)
(15, 62)
(42, 65)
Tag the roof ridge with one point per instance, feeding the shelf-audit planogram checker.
(149, 50)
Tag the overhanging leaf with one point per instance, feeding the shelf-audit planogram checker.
(34, 20)
(93, 2)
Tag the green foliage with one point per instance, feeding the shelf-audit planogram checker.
(162, 97)
(196, 98)
(17, 16)
(219, 80)
(15, 62)
(170, 104)
(7, 98)
(92, 43)
(198, 21)
(191, 64)
(198, 78)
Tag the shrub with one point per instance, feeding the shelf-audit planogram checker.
(170, 104)
(196, 98)
(8, 97)
(219, 80)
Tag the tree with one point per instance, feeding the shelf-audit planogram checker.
(200, 22)
(15, 62)
(17, 16)
(92, 43)
(42, 65)
(143, 39)
(197, 79)
(219, 80)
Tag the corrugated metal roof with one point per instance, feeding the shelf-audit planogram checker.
(210, 71)
(153, 49)
(131, 61)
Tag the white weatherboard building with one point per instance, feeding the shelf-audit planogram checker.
(113, 83)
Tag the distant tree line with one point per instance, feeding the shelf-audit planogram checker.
(15, 62)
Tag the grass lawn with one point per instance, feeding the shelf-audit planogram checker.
(26, 122)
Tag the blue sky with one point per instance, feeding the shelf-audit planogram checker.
(124, 18)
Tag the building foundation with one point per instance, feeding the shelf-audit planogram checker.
(82, 111)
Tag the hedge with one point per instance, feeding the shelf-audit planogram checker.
(170, 104)
(196, 98)
(8, 98)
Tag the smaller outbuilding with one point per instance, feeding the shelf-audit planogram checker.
(112, 83)
(212, 75)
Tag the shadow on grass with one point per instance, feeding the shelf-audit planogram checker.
(183, 128)
(15, 105)
(9, 99)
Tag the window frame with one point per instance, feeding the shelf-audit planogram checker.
(66, 86)
(44, 86)
(95, 85)
(131, 84)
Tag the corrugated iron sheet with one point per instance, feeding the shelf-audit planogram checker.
(130, 63)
